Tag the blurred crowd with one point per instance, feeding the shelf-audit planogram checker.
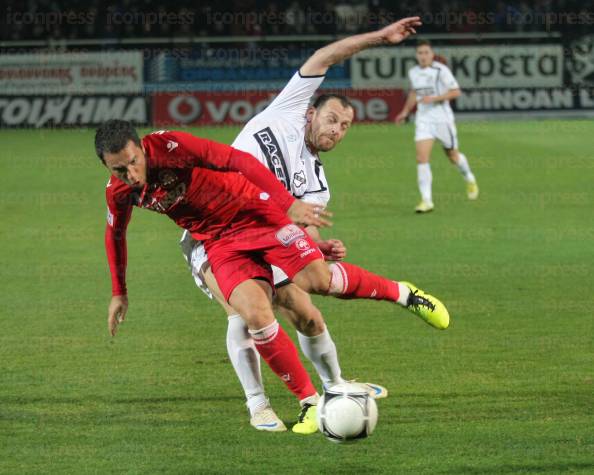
(85, 19)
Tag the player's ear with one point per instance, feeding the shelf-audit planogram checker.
(310, 113)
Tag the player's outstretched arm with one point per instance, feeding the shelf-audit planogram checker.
(338, 51)
(119, 214)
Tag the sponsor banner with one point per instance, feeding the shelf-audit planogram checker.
(473, 66)
(71, 73)
(56, 111)
(202, 108)
(525, 99)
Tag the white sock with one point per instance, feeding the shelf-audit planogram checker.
(246, 362)
(465, 168)
(403, 293)
(424, 178)
(321, 351)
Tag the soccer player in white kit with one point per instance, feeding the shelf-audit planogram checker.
(287, 137)
(432, 86)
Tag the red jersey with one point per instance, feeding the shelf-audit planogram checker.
(206, 187)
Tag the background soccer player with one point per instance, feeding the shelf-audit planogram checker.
(432, 86)
(288, 137)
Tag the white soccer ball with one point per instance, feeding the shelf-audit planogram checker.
(347, 413)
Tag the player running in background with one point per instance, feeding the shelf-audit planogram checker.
(230, 201)
(288, 137)
(432, 86)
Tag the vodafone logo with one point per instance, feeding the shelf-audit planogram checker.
(231, 107)
(200, 108)
(302, 244)
(184, 109)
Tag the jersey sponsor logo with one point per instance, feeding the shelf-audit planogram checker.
(289, 234)
(274, 156)
(306, 253)
(302, 244)
(299, 179)
(171, 145)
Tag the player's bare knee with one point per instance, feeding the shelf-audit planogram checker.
(319, 280)
(257, 315)
(452, 155)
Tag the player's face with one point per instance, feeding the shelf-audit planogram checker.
(129, 164)
(424, 56)
(329, 124)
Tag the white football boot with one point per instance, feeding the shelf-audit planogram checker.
(266, 419)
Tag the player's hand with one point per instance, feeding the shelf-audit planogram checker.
(400, 118)
(333, 249)
(401, 30)
(309, 214)
(116, 312)
(428, 99)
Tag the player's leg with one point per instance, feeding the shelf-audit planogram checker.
(423, 148)
(449, 140)
(246, 362)
(240, 345)
(252, 299)
(245, 282)
(314, 337)
(349, 281)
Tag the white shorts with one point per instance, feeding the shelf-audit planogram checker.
(445, 132)
(197, 259)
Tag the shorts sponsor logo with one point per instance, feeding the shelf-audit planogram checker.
(289, 234)
(306, 253)
(302, 244)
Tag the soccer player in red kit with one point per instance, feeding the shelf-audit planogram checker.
(236, 206)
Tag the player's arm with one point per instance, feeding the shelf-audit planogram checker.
(206, 153)
(409, 105)
(447, 96)
(338, 51)
(118, 217)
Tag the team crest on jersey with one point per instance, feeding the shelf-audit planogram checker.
(274, 156)
(289, 234)
(302, 244)
(166, 192)
(299, 179)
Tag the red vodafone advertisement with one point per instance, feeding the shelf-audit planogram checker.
(218, 108)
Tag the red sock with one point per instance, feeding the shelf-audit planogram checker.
(279, 352)
(352, 282)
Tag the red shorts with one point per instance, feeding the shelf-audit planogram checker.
(248, 254)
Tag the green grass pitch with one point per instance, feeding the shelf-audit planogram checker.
(508, 388)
